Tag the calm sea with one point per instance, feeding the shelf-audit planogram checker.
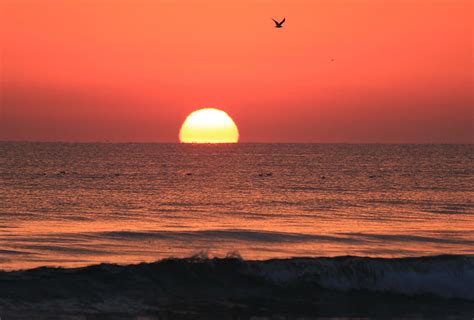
(81, 204)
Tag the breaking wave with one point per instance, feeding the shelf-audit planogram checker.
(292, 284)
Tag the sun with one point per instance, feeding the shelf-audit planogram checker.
(209, 125)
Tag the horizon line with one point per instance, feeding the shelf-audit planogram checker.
(231, 143)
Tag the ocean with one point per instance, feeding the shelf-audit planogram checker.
(281, 212)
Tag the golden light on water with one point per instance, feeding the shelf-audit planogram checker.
(209, 125)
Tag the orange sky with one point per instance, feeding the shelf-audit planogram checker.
(131, 70)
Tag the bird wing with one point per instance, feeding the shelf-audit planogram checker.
(282, 21)
(276, 22)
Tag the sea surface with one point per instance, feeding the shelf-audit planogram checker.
(238, 231)
(71, 205)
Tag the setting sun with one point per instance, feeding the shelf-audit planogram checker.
(209, 125)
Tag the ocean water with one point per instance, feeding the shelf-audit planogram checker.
(71, 205)
(245, 231)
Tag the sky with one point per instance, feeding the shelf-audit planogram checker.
(355, 71)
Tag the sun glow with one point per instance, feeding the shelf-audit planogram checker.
(209, 125)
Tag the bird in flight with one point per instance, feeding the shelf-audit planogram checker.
(279, 24)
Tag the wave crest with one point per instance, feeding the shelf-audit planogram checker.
(340, 286)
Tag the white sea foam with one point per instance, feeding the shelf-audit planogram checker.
(443, 276)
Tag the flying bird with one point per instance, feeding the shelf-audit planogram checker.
(279, 24)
